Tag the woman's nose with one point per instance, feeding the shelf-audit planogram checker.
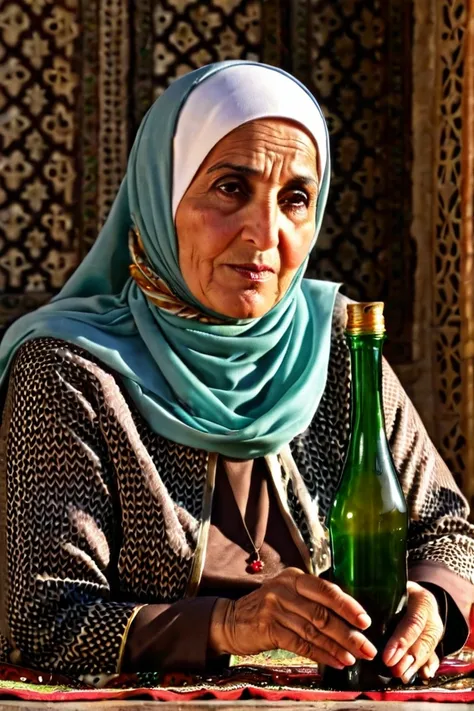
(262, 224)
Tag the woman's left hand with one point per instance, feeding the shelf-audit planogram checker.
(412, 646)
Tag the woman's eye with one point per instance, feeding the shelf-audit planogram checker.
(230, 187)
(296, 199)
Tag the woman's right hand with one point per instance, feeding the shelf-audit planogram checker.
(297, 612)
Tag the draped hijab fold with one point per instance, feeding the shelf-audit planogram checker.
(242, 388)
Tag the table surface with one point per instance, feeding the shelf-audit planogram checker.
(229, 706)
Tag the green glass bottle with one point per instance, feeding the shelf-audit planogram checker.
(368, 520)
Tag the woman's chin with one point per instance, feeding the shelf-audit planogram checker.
(246, 305)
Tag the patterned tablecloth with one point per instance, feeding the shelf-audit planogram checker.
(454, 683)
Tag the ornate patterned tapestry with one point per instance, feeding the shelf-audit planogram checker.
(447, 243)
(443, 223)
(39, 103)
(76, 77)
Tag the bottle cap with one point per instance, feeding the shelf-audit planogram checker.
(365, 318)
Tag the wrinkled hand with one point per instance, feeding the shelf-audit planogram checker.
(412, 645)
(297, 612)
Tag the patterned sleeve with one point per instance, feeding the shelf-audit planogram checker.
(61, 525)
(439, 530)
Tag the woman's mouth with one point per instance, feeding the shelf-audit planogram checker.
(253, 272)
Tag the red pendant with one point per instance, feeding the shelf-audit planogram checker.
(256, 566)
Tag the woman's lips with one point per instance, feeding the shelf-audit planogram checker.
(253, 272)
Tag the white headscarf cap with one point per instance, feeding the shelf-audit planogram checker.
(230, 98)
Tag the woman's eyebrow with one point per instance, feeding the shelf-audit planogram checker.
(244, 169)
(297, 180)
(302, 181)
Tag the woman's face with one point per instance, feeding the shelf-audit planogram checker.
(247, 220)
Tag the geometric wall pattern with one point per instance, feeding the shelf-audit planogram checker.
(356, 64)
(447, 241)
(39, 97)
(444, 131)
(450, 235)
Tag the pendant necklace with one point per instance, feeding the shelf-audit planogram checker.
(255, 563)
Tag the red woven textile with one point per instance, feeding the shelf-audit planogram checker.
(455, 684)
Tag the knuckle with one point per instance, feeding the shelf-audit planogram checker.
(320, 617)
(310, 634)
(438, 626)
(304, 648)
(297, 581)
(355, 640)
(417, 622)
(430, 599)
(332, 591)
(290, 574)
(422, 652)
(430, 640)
(337, 598)
(291, 571)
(323, 586)
(270, 599)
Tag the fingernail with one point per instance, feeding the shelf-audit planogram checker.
(398, 654)
(364, 621)
(431, 671)
(389, 652)
(409, 673)
(368, 650)
(348, 659)
(405, 676)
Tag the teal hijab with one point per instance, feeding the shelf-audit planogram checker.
(240, 388)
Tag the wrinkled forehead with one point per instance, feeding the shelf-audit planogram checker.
(230, 98)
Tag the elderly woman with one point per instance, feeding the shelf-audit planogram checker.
(176, 416)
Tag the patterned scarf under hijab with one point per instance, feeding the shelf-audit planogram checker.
(240, 388)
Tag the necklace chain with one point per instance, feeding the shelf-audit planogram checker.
(256, 564)
(252, 543)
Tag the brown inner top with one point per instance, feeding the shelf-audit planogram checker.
(245, 486)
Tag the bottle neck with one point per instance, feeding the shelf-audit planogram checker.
(366, 389)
